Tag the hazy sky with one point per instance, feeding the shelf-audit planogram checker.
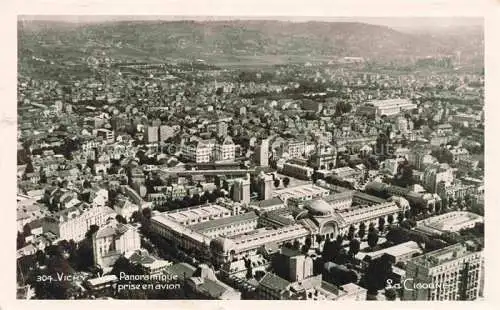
(394, 22)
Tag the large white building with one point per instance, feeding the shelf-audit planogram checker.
(151, 134)
(325, 156)
(301, 192)
(241, 190)
(332, 222)
(435, 174)
(231, 235)
(228, 226)
(197, 151)
(388, 107)
(237, 247)
(295, 149)
(449, 222)
(73, 223)
(451, 273)
(398, 253)
(106, 134)
(175, 225)
(225, 149)
(262, 153)
(112, 241)
(265, 182)
(204, 151)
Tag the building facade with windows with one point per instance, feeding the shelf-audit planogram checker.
(73, 223)
(451, 273)
(112, 241)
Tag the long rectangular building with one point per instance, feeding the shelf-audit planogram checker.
(387, 107)
(194, 215)
(239, 246)
(302, 192)
(228, 226)
(449, 222)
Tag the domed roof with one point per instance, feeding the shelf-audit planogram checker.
(319, 207)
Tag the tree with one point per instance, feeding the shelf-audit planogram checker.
(342, 258)
(407, 214)
(354, 247)
(218, 193)
(195, 200)
(248, 266)
(87, 184)
(146, 213)
(135, 217)
(286, 181)
(40, 258)
(381, 224)
(43, 177)
(330, 250)
(377, 273)
(405, 224)
(120, 219)
(21, 242)
(84, 257)
(362, 230)
(319, 239)
(277, 183)
(72, 251)
(437, 207)
(92, 230)
(351, 232)
(56, 266)
(186, 201)
(211, 197)
(404, 176)
(339, 240)
(372, 238)
(308, 241)
(29, 167)
(401, 217)
(390, 219)
(397, 235)
(54, 250)
(315, 175)
(122, 264)
(451, 202)
(27, 230)
(203, 199)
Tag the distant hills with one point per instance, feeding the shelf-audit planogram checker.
(243, 38)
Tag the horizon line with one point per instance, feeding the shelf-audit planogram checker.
(389, 21)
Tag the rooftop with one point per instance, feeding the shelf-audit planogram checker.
(194, 213)
(397, 250)
(274, 282)
(442, 256)
(300, 191)
(225, 221)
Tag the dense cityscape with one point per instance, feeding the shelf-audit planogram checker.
(249, 160)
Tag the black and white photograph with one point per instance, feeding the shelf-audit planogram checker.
(167, 157)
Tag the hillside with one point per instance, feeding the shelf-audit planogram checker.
(220, 39)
